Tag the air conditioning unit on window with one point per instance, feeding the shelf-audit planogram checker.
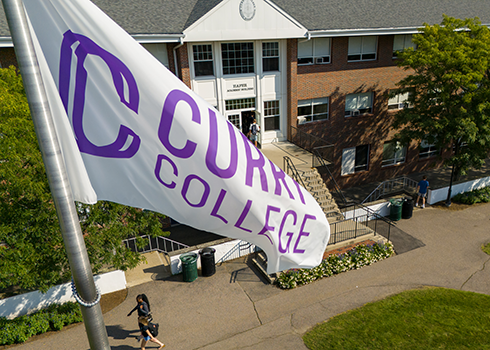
(355, 112)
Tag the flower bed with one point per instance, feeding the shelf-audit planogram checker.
(357, 257)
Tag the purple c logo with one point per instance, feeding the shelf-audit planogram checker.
(119, 71)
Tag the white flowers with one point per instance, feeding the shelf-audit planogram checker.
(360, 256)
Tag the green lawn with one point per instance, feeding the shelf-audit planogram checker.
(429, 318)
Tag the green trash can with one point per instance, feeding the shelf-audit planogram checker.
(396, 209)
(189, 266)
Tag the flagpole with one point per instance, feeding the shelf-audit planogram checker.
(88, 296)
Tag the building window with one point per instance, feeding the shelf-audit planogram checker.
(238, 58)
(402, 42)
(355, 159)
(312, 110)
(399, 101)
(393, 153)
(271, 115)
(159, 51)
(314, 51)
(362, 48)
(427, 150)
(242, 103)
(358, 104)
(203, 60)
(270, 57)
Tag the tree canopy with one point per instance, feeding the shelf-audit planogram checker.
(32, 254)
(448, 91)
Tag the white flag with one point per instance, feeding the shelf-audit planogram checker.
(133, 133)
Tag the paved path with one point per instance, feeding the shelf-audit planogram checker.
(234, 309)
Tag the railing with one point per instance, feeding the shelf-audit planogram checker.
(291, 170)
(356, 219)
(242, 248)
(321, 164)
(390, 186)
(161, 244)
(309, 142)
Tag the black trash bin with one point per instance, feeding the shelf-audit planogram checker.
(208, 266)
(407, 208)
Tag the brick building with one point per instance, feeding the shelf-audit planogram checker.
(318, 67)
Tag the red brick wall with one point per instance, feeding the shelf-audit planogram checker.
(338, 79)
(182, 62)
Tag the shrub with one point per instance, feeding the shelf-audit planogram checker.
(52, 318)
(359, 256)
(481, 195)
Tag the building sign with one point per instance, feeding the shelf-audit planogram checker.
(240, 88)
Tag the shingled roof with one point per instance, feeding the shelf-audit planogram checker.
(160, 17)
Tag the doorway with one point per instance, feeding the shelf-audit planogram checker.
(241, 119)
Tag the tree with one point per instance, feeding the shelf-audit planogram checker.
(32, 254)
(448, 91)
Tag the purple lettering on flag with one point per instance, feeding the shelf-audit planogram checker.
(118, 71)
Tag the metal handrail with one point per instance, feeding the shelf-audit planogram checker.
(305, 140)
(242, 248)
(161, 244)
(339, 233)
(289, 167)
(390, 186)
(319, 158)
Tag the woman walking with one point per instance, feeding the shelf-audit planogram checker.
(145, 333)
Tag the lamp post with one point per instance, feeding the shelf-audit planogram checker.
(448, 200)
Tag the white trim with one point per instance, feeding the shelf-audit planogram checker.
(158, 38)
(6, 42)
(362, 32)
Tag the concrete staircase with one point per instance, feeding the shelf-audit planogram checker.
(315, 185)
(317, 188)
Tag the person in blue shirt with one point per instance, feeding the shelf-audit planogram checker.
(422, 188)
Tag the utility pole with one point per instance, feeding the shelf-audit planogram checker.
(86, 292)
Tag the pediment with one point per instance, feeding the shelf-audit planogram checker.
(244, 20)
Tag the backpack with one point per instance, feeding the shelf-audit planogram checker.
(153, 328)
(254, 129)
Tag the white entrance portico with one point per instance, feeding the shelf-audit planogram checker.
(236, 67)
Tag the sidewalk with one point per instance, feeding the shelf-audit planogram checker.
(235, 309)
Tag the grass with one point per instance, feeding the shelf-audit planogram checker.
(429, 318)
(486, 248)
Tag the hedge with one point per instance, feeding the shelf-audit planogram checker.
(52, 318)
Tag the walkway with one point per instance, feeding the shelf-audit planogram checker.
(235, 309)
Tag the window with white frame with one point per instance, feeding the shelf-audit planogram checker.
(402, 42)
(203, 60)
(270, 57)
(312, 110)
(238, 58)
(355, 159)
(271, 115)
(362, 48)
(427, 150)
(314, 51)
(358, 104)
(399, 101)
(393, 153)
